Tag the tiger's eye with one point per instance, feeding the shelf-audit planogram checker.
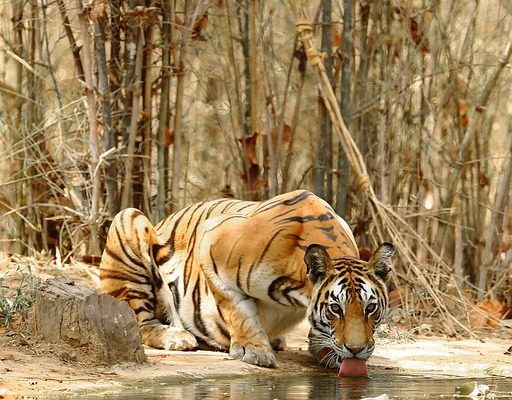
(336, 309)
(370, 308)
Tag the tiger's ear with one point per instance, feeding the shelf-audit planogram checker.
(317, 262)
(380, 260)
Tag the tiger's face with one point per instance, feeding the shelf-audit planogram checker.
(349, 300)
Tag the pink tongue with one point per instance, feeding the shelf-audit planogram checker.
(353, 367)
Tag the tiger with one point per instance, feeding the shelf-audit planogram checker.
(236, 276)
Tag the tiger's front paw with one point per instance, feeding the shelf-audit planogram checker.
(169, 338)
(253, 354)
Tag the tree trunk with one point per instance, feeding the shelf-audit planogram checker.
(98, 325)
(163, 118)
(127, 196)
(17, 22)
(323, 161)
(109, 138)
(147, 141)
(94, 247)
(345, 105)
(497, 214)
(178, 114)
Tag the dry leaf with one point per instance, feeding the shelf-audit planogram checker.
(364, 254)
(248, 144)
(285, 137)
(487, 313)
(168, 137)
(462, 109)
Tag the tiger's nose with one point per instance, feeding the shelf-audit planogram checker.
(354, 349)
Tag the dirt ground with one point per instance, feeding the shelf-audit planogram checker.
(29, 369)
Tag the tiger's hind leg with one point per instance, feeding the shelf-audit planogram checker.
(163, 329)
(128, 272)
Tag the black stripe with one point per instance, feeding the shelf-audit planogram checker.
(283, 285)
(248, 205)
(238, 280)
(275, 287)
(270, 204)
(170, 241)
(198, 319)
(215, 205)
(147, 306)
(123, 249)
(265, 250)
(326, 283)
(124, 275)
(213, 262)
(193, 213)
(175, 294)
(230, 204)
(307, 218)
(278, 216)
(187, 272)
(131, 294)
(159, 260)
(265, 206)
(329, 232)
(223, 331)
(297, 199)
(158, 281)
(221, 325)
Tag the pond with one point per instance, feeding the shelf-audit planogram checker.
(299, 387)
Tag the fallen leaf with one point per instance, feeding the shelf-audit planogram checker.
(487, 313)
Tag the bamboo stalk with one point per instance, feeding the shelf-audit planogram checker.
(252, 77)
(271, 148)
(32, 117)
(163, 118)
(497, 213)
(127, 194)
(296, 114)
(280, 123)
(345, 105)
(75, 49)
(178, 114)
(147, 141)
(85, 56)
(236, 70)
(109, 139)
(17, 21)
(474, 122)
(253, 66)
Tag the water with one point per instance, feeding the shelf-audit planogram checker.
(315, 386)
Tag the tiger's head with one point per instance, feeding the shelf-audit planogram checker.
(348, 302)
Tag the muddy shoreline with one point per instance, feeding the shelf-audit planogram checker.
(30, 369)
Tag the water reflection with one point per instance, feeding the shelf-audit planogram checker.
(296, 387)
